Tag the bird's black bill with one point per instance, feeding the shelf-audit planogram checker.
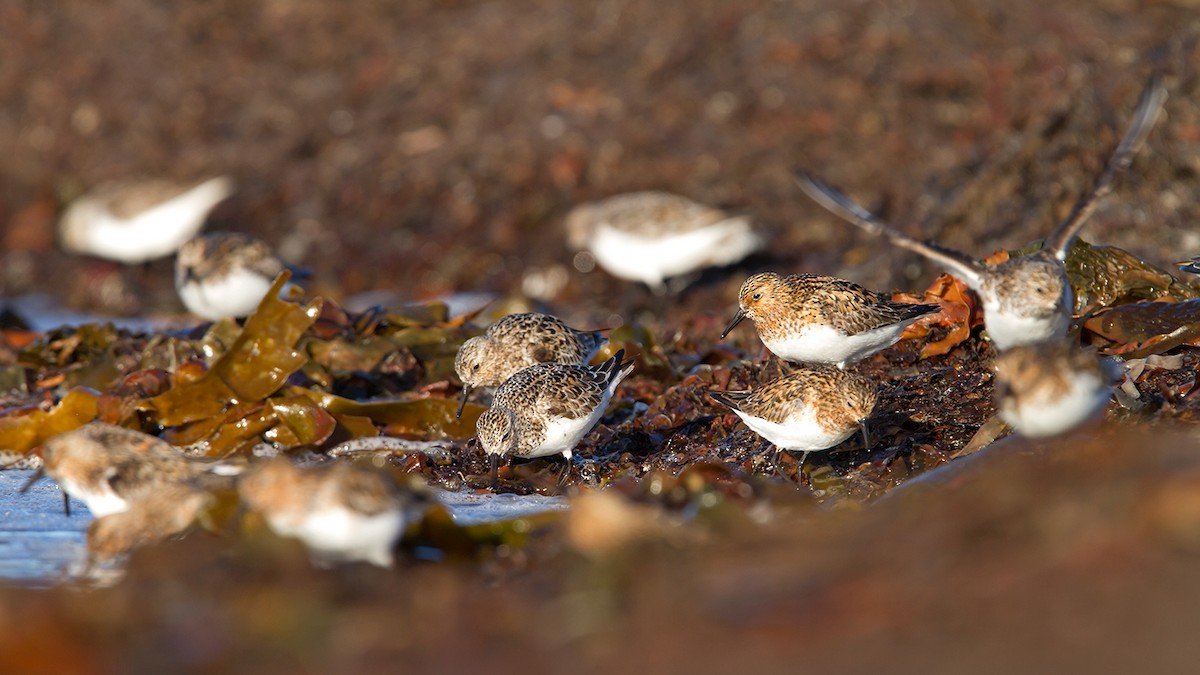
(495, 459)
(866, 438)
(737, 318)
(66, 504)
(462, 403)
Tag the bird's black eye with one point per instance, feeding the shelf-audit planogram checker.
(756, 296)
(475, 367)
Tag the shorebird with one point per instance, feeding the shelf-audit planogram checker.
(810, 409)
(342, 512)
(225, 274)
(1051, 388)
(807, 318)
(1026, 299)
(653, 236)
(516, 342)
(136, 221)
(547, 408)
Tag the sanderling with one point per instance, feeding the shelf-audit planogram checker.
(341, 511)
(518, 341)
(109, 467)
(1026, 299)
(545, 409)
(653, 236)
(1050, 388)
(224, 274)
(133, 222)
(810, 409)
(816, 319)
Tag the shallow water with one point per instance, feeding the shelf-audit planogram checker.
(39, 544)
(43, 312)
(469, 508)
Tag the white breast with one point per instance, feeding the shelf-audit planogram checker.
(800, 432)
(1009, 329)
(337, 534)
(100, 499)
(563, 434)
(236, 294)
(1042, 416)
(825, 344)
(651, 260)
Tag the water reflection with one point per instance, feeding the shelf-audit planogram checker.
(38, 542)
(40, 545)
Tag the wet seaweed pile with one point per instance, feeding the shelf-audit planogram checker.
(311, 378)
(697, 528)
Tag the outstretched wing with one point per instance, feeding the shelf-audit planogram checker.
(837, 203)
(1149, 105)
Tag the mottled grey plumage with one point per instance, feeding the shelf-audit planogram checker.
(545, 409)
(518, 341)
(650, 213)
(218, 253)
(125, 199)
(225, 274)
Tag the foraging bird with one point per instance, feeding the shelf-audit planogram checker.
(808, 318)
(109, 467)
(341, 511)
(810, 409)
(516, 342)
(168, 510)
(547, 408)
(1051, 388)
